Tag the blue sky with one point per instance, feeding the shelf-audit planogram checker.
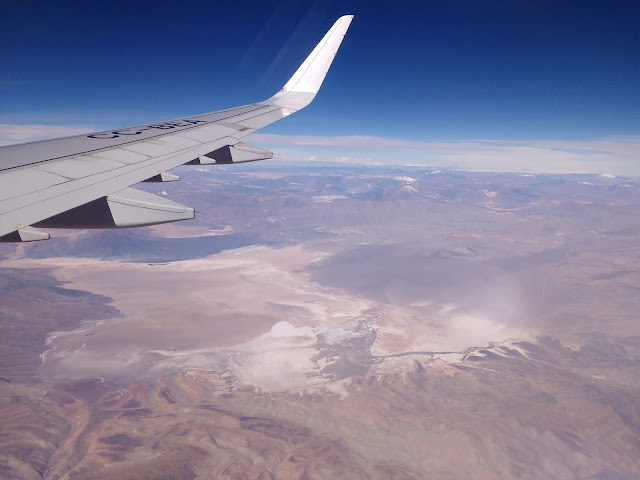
(459, 71)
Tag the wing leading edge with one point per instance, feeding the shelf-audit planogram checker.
(84, 181)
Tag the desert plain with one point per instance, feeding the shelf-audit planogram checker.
(333, 323)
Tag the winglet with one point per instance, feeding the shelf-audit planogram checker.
(303, 86)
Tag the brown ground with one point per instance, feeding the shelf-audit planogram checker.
(439, 333)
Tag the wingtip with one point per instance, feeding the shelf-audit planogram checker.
(303, 86)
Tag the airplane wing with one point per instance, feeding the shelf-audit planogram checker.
(85, 181)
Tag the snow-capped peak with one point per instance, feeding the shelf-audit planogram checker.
(404, 179)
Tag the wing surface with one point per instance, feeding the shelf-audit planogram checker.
(83, 181)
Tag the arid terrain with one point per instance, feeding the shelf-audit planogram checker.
(333, 323)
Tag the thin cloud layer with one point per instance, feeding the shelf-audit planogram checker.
(620, 154)
(617, 154)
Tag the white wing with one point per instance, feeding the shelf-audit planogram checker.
(83, 181)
